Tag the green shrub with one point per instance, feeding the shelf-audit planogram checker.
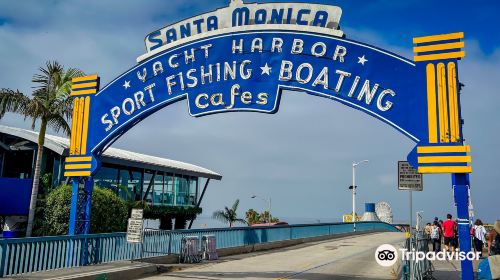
(109, 212)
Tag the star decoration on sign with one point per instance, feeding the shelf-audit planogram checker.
(266, 70)
(126, 85)
(362, 60)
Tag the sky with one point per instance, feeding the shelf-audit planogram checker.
(300, 157)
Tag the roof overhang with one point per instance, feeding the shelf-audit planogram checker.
(60, 145)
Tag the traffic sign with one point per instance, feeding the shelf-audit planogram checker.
(408, 177)
(134, 226)
(137, 214)
(134, 231)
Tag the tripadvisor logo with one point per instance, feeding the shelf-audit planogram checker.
(387, 255)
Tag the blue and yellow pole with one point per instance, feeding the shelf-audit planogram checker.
(461, 186)
(73, 212)
(80, 161)
(445, 151)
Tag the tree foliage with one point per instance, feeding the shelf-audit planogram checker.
(228, 215)
(253, 217)
(51, 104)
(109, 212)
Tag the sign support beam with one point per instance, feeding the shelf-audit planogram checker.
(87, 204)
(73, 212)
(199, 201)
(461, 185)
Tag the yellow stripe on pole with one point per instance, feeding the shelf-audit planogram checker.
(453, 104)
(439, 56)
(84, 78)
(84, 85)
(78, 159)
(86, 115)
(431, 102)
(439, 47)
(445, 169)
(76, 173)
(73, 127)
(444, 159)
(444, 134)
(440, 37)
(443, 149)
(82, 92)
(79, 125)
(78, 166)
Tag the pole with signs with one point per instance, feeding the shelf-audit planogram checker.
(135, 227)
(409, 179)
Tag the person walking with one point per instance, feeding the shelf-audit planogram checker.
(436, 237)
(478, 232)
(456, 243)
(427, 231)
(494, 240)
(449, 233)
(440, 224)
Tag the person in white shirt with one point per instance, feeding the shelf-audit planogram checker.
(479, 232)
(435, 235)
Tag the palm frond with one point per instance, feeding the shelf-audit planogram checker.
(221, 216)
(13, 101)
(58, 123)
(235, 205)
(241, 221)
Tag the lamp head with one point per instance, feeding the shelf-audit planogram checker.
(359, 162)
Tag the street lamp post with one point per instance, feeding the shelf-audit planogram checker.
(354, 164)
(269, 219)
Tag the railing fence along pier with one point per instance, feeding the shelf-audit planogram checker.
(26, 255)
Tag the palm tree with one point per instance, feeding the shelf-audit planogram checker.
(252, 216)
(228, 215)
(51, 104)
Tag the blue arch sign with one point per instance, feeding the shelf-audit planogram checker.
(245, 57)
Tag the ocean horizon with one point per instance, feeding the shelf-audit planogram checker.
(203, 222)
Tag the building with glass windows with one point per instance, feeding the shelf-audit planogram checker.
(167, 186)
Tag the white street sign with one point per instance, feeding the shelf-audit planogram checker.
(134, 231)
(408, 177)
(137, 214)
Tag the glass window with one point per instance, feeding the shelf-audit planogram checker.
(158, 190)
(168, 190)
(131, 181)
(181, 190)
(106, 177)
(147, 178)
(193, 186)
(55, 172)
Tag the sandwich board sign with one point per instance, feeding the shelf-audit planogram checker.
(408, 177)
(135, 226)
(244, 58)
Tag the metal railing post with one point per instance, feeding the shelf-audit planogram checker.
(3, 260)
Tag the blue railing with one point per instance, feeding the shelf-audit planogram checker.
(26, 255)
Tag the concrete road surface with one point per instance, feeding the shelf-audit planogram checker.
(343, 258)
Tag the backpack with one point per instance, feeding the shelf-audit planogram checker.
(435, 233)
(473, 231)
(484, 270)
